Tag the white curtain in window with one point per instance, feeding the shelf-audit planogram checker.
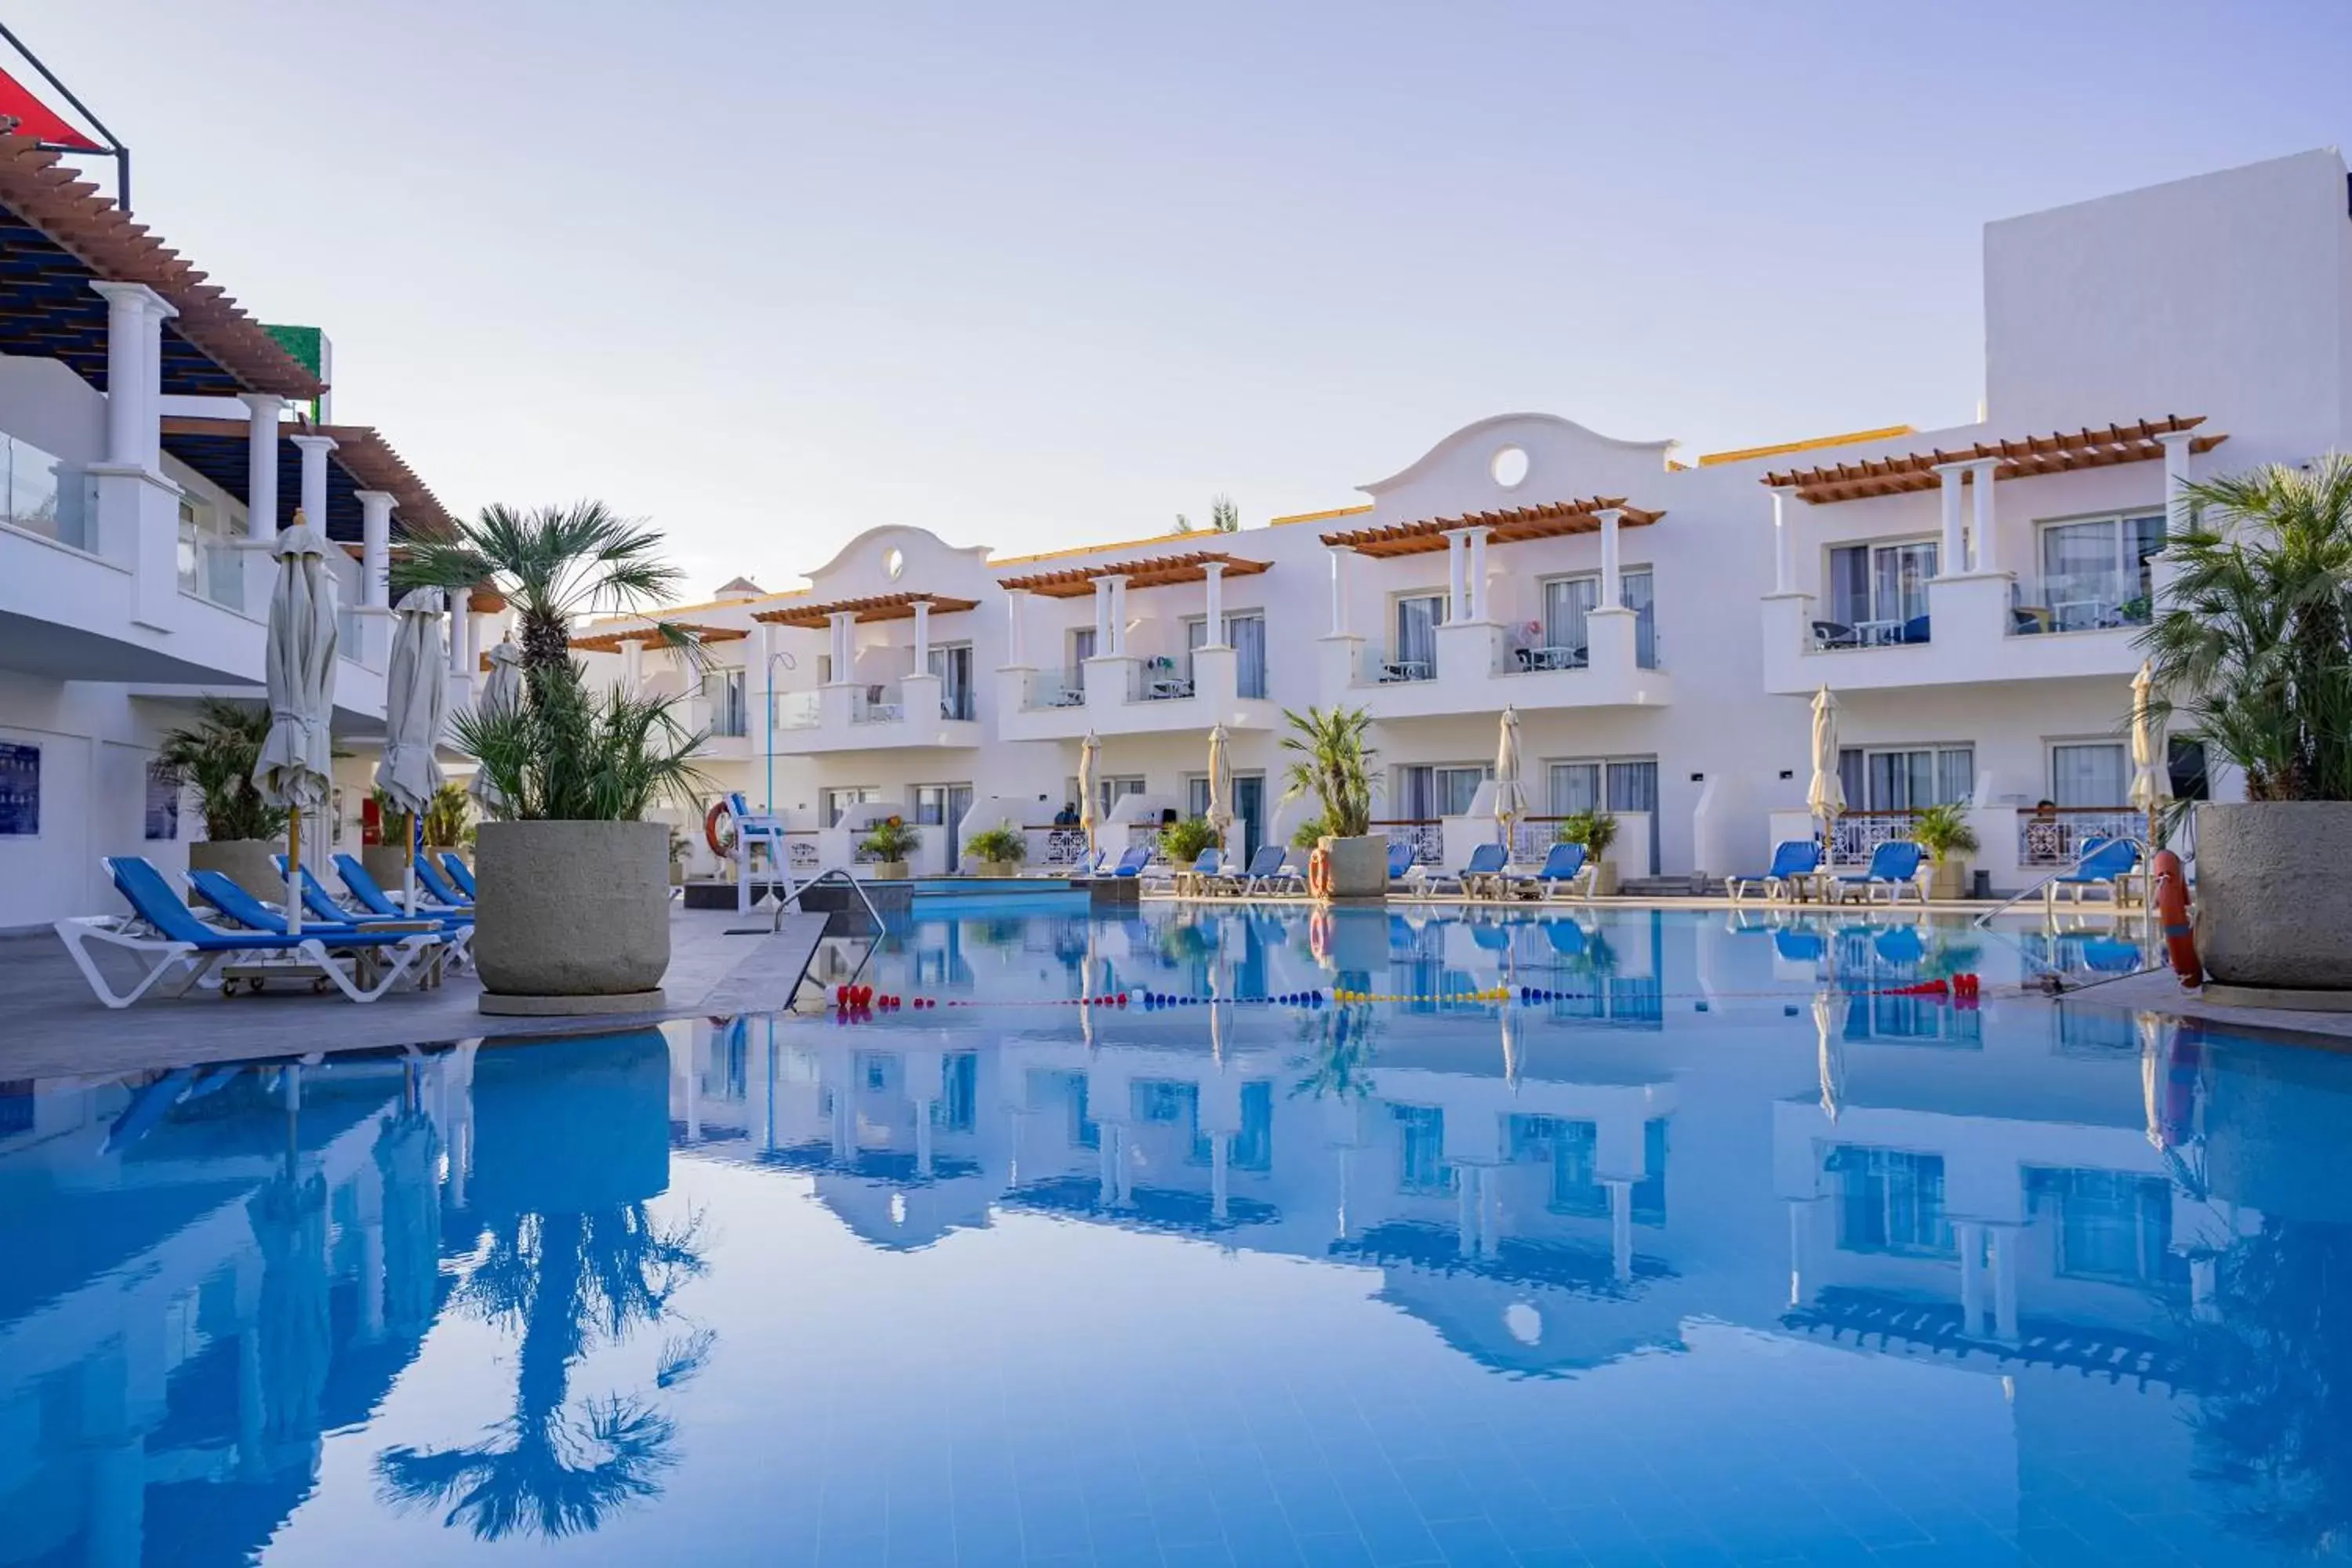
(2092, 774)
(1566, 602)
(1416, 631)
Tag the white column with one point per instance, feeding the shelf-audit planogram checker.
(633, 665)
(1971, 1238)
(1118, 616)
(477, 635)
(135, 315)
(1457, 607)
(922, 637)
(844, 644)
(375, 552)
(1339, 590)
(2004, 1283)
(1480, 609)
(1016, 611)
(314, 450)
(1621, 1230)
(2176, 475)
(458, 668)
(1982, 530)
(1952, 557)
(1214, 581)
(1102, 617)
(261, 463)
(1612, 593)
(1784, 550)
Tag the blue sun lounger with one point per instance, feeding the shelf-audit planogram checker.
(2104, 863)
(376, 901)
(225, 895)
(1894, 866)
(460, 874)
(1564, 869)
(1794, 861)
(162, 927)
(436, 887)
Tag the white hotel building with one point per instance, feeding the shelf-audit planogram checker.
(1972, 595)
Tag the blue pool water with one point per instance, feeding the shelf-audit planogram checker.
(1719, 1254)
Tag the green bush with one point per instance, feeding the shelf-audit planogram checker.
(218, 754)
(892, 838)
(567, 754)
(1944, 831)
(1001, 843)
(1181, 841)
(1596, 830)
(1309, 833)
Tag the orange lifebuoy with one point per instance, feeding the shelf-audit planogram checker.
(2170, 886)
(722, 847)
(1318, 873)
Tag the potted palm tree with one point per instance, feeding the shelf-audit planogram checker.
(1943, 831)
(2251, 652)
(574, 912)
(388, 859)
(1181, 841)
(887, 846)
(217, 754)
(1596, 830)
(999, 850)
(1334, 765)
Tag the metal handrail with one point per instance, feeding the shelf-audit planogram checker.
(793, 895)
(1983, 923)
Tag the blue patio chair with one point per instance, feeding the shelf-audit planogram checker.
(461, 874)
(1899, 945)
(1400, 858)
(1210, 874)
(1270, 871)
(2104, 863)
(1565, 868)
(1132, 862)
(1894, 866)
(231, 900)
(1915, 630)
(163, 927)
(1794, 860)
(1486, 865)
(374, 900)
(437, 888)
(1797, 944)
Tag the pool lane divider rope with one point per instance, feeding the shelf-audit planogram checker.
(855, 1004)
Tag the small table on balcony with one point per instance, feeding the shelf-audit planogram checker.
(1393, 670)
(1878, 634)
(1551, 658)
(1166, 686)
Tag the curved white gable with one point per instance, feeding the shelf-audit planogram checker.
(930, 564)
(1565, 461)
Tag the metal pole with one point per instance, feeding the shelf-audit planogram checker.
(120, 153)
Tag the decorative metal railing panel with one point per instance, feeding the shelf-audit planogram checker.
(2059, 837)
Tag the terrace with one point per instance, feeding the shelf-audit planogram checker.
(875, 693)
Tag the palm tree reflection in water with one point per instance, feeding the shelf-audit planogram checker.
(567, 1281)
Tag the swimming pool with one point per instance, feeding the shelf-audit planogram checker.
(1720, 1251)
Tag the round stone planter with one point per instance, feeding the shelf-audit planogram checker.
(1359, 866)
(387, 865)
(887, 870)
(2273, 907)
(246, 862)
(996, 867)
(573, 916)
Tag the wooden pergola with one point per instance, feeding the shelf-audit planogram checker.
(1515, 525)
(1147, 572)
(880, 607)
(2062, 452)
(611, 641)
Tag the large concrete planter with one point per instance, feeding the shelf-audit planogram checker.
(386, 864)
(246, 862)
(573, 916)
(1359, 866)
(1947, 878)
(1605, 877)
(996, 867)
(2273, 906)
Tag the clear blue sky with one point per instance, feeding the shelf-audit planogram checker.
(1036, 275)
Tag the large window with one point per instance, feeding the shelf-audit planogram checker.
(1246, 635)
(1422, 1170)
(2113, 1225)
(1418, 616)
(2094, 571)
(1891, 1201)
(1112, 789)
(952, 664)
(1611, 785)
(1886, 584)
(1567, 601)
(2090, 773)
(723, 690)
(1909, 779)
(834, 802)
(1425, 791)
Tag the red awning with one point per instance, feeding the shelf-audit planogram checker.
(37, 120)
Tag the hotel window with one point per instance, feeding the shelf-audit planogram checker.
(1081, 648)
(723, 690)
(1246, 635)
(1892, 1202)
(2095, 572)
(1418, 616)
(209, 565)
(1110, 790)
(1907, 779)
(952, 664)
(2113, 1225)
(1422, 1170)
(1425, 792)
(2091, 772)
(1885, 583)
(1567, 601)
(1612, 784)
(834, 802)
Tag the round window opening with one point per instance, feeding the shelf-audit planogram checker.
(1509, 466)
(893, 563)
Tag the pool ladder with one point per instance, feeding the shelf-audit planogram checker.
(2050, 975)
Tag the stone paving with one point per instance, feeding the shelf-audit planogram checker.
(51, 1025)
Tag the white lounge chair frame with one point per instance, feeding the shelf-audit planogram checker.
(131, 934)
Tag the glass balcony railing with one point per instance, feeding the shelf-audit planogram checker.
(2079, 602)
(42, 495)
(794, 710)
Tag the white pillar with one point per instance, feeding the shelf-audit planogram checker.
(2176, 476)
(261, 463)
(922, 637)
(1118, 616)
(1457, 607)
(1621, 1230)
(478, 638)
(1480, 609)
(375, 553)
(460, 667)
(314, 450)
(135, 315)
(1612, 592)
(1214, 581)
(1800, 1219)
(1784, 550)
(1339, 590)
(2004, 1283)
(1982, 531)
(1016, 611)
(1952, 556)
(633, 654)
(1102, 617)
(1971, 1238)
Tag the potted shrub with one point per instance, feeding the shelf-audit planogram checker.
(887, 844)
(388, 859)
(1596, 830)
(2250, 646)
(1334, 765)
(447, 818)
(574, 913)
(1943, 831)
(1181, 841)
(217, 754)
(678, 844)
(999, 849)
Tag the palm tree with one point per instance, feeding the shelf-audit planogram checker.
(1224, 517)
(2251, 646)
(1333, 765)
(218, 754)
(553, 564)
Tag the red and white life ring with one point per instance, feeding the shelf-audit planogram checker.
(2169, 885)
(721, 844)
(1318, 873)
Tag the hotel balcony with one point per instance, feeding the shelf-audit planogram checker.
(1927, 601)
(888, 695)
(1476, 667)
(907, 712)
(1123, 694)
